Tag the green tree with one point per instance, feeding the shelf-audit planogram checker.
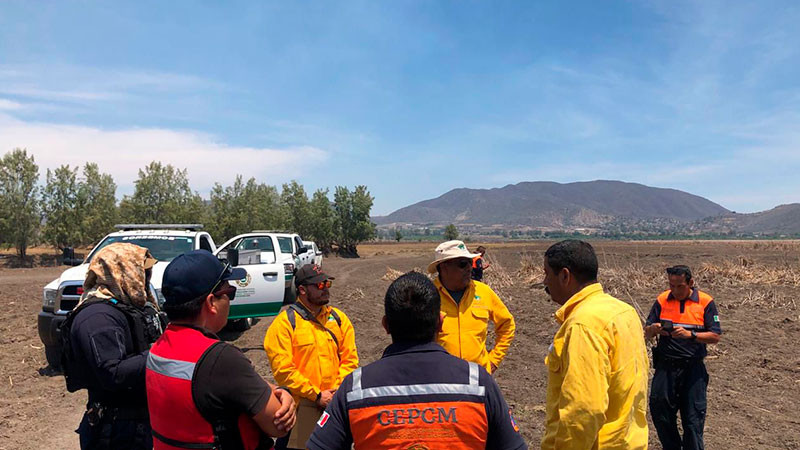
(352, 218)
(19, 200)
(97, 203)
(397, 235)
(244, 207)
(450, 232)
(162, 195)
(323, 220)
(60, 208)
(295, 200)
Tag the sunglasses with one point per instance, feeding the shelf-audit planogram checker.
(230, 291)
(322, 284)
(461, 263)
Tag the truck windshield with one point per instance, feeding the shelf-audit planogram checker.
(163, 248)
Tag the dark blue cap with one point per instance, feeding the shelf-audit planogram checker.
(193, 275)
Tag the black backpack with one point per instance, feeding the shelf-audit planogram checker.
(146, 325)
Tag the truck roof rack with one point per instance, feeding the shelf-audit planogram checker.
(159, 226)
(273, 231)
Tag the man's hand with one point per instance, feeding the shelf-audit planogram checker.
(652, 330)
(325, 397)
(681, 333)
(286, 416)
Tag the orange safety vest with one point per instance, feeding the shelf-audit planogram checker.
(398, 416)
(475, 263)
(692, 316)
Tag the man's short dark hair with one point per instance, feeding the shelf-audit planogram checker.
(184, 311)
(577, 256)
(680, 269)
(412, 308)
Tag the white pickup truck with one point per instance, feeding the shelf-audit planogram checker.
(271, 259)
(62, 294)
(256, 296)
(314, 250)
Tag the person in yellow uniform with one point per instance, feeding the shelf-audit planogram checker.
(467, 307)
(597, 363)
(311, 347)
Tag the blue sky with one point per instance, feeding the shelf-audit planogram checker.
(413, 98)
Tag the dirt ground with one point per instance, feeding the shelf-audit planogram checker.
(754, 370)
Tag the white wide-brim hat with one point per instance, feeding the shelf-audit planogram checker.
(450, 250)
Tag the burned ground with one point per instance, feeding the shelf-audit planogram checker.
(754, 370)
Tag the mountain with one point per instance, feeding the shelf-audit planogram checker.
(548, 204)
(783, 219)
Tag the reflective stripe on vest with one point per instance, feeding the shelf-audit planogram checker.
(170, 367)
(416, 389)
(174, 417)
(693, 315)
(434, 415)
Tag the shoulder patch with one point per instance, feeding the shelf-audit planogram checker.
(323, 419)
(716, 318)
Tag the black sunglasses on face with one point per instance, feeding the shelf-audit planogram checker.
(230, 291)
(225, 271)
(461, 263)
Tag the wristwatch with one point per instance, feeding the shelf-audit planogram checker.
(694, 335)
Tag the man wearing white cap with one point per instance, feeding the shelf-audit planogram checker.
(467, 307)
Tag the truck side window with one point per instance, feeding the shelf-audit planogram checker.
(256, 250)
(286, 244)
(204, 244)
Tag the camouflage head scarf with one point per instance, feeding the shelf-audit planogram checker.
(120, 271)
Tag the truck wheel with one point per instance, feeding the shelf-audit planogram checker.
(289, 295)
(53, 355)
(240, 324)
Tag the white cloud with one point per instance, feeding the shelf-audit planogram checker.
(123, 152)
(86, 84)
(8, 104)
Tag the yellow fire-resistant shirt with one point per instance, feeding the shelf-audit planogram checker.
(306, 360)
(466, 323)
(597, 384)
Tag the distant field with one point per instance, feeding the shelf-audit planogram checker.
(755, 369)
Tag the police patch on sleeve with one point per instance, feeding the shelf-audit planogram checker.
(323, 419)
(716, 318)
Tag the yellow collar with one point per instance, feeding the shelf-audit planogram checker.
(440, 287)
(566, 308)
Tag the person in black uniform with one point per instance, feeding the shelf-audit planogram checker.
(106, 340)
(685, 319)
(417, 396)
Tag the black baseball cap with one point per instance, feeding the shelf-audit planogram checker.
(310, 274)
(194, 274)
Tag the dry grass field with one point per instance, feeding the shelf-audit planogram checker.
(754, 370)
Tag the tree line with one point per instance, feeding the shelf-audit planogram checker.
(78, 206)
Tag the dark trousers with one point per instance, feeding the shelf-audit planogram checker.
(115, 434)
(679, 386)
